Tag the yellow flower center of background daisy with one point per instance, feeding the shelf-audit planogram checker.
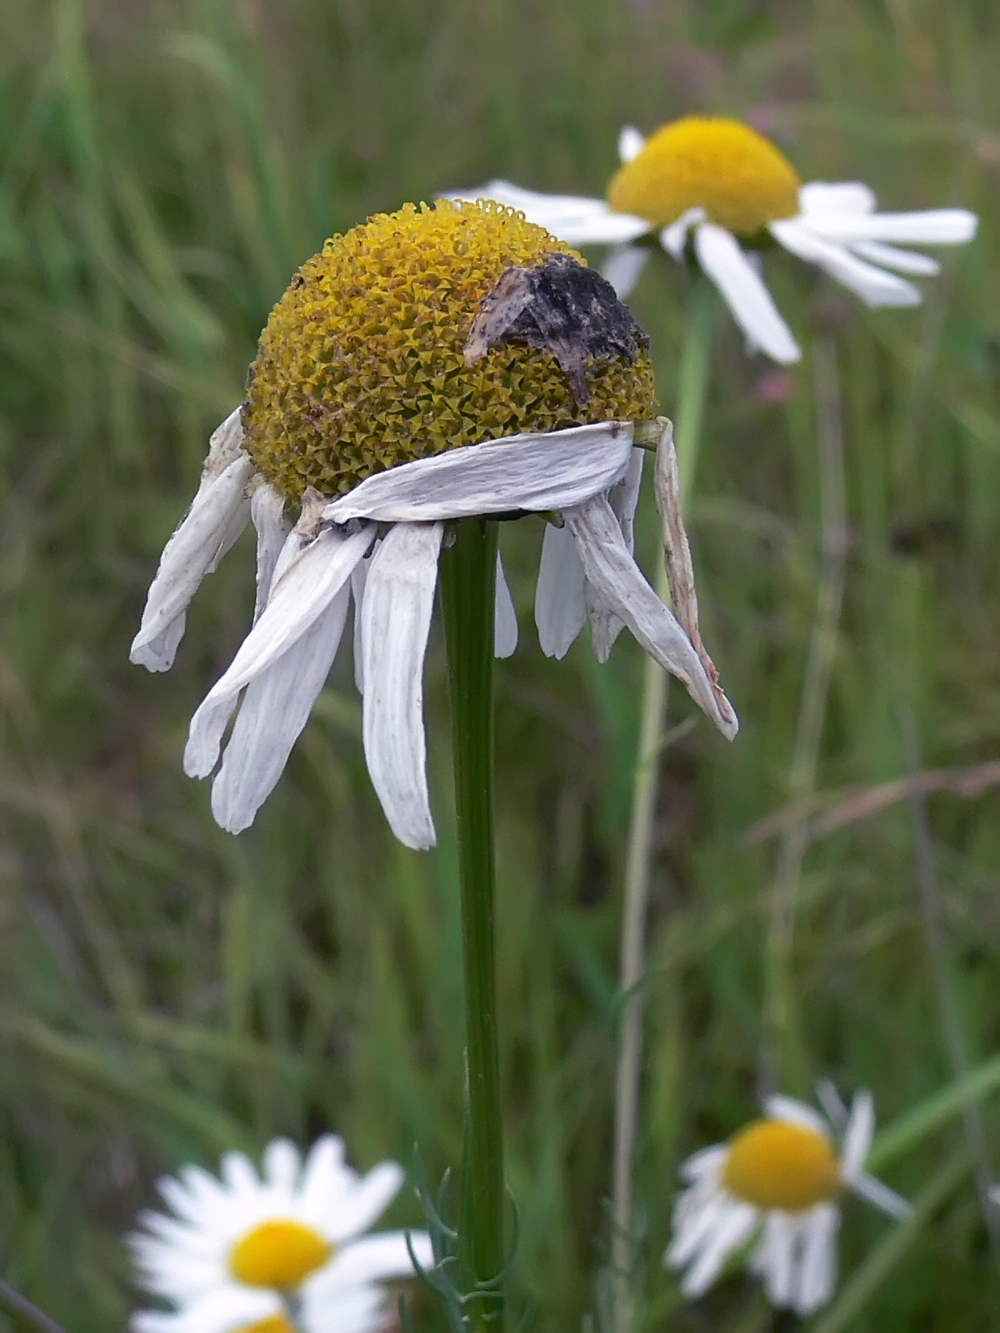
(736, 175)
(279, 1253)
(277, 1323)
(361, 364)
(775, 1164)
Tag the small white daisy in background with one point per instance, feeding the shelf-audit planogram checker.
(717, 183)
(779, 1178)
(285, 1252)
(434, 365)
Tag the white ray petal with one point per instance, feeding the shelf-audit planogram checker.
(692, 1235)
(777, 1258)
(605, 626)
(623, 267)
(705, 1160)
(560, 607)
(534, 473)
(272, 716)
(395, 620)
(867, 1187)
(890, 256)
(858, 1135)
(734, 1227)
(267, 510)
(282, 1164)
(354, 1211)
(619, 582)
(817, 1275)
(359, 578)
(504, 616)
(372, 1258)
(630, 143)
(358, 1308)
(873, 285)
(572, 218)
(301, 592)
(836, 197)
(794, 1112)
(743, 289)
(218, 1311)
(674, 238)
(938, 226)
(217, 516)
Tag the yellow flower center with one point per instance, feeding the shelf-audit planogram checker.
(279, 1253)
(775, 1164)
(736, 175)
(361, 364)
(277, 1323)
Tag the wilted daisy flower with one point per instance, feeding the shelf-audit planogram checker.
(429, 365)
(723, 186)
(285, 1251)
(781, 1178)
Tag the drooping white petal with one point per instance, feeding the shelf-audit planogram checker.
(534, 473)
(620, 583)
(504, 617)
(817, 1272)
(272, 716)
(630, 143)
(719, 254)
(267, 510)
(836, 197)
(884, 1198)
(359, 578)
(697, 1227)
(938, 226)
(302, 590)
(776, 1258)
(605, 626)
(574, 219)
(395, 620)
(623, 267)
(873, 285)
(858, 1135)
(736, 1224)
(674, 238)
(794, 1112)
(560, 608)
(217, 516)
(903, 261)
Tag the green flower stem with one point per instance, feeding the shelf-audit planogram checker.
(24, 1313)
(468, 579)
(692, 390)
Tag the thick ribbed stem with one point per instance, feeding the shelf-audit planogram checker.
(468, 578)
(692, 388)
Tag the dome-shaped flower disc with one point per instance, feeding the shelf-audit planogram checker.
(736, 175)
(776, 1164)
(361, 364)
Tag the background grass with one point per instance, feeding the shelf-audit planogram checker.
(167, 991)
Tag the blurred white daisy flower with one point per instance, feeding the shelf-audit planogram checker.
(779, 1178)
(285, 1252)
(390, 394)
(717, 183)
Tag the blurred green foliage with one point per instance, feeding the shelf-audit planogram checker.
(166, 990)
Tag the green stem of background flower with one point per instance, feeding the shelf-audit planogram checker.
(24, 1313)
(468, 579)
(692, 389)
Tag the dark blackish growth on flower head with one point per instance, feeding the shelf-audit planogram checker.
(562, 307)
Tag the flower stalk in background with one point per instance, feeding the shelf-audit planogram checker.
(288, 1251)
(723, 190)
(779, 1178)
